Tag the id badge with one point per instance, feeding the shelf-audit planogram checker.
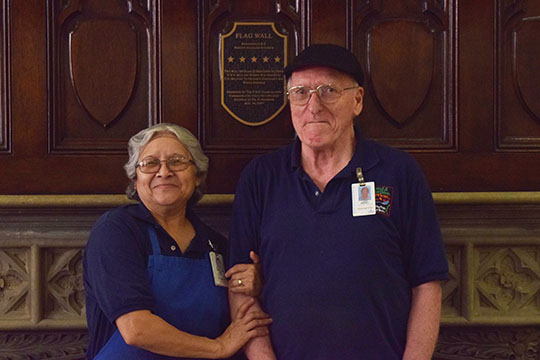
(218, 269)
(363, 199)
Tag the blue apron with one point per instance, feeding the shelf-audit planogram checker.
(185, 296)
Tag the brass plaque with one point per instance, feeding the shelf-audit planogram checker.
(253, 55)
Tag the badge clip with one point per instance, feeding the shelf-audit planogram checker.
(360, 176)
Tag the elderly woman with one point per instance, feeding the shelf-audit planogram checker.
(152, 269)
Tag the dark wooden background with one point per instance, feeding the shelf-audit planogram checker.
(454, 83)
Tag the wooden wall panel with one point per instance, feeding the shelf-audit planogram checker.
(230, 143)
(479, 165)
(222, 132)
(5, 135)
(518, 59)
(328, 22)
(179, 63)
(28, 87)
(407, 52)
(451, 82)
(101, 74)
(75, 95)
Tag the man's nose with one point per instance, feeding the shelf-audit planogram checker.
(314, 102)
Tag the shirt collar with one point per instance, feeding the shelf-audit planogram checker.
(202, 232)
(364, 156)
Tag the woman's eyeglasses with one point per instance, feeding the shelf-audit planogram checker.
(174, 163)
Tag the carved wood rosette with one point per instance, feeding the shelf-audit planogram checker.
(14, 283)
(65, 288)
(507, 281)
(41, 284)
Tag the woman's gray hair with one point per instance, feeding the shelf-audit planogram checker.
(143, 137)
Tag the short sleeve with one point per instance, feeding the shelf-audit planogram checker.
(115, 268)
(425, 254)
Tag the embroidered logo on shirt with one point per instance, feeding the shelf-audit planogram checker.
(383, 199)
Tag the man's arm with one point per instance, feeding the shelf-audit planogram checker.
(424, 319)
(258, 348)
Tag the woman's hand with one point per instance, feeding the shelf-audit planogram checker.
(244, 327)
(246, 278)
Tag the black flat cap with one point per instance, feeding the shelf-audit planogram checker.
(328, 55)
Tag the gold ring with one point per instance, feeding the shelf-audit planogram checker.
(240, 282)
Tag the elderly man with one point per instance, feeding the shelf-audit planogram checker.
(344, 278)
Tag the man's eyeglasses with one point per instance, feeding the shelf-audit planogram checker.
(174, 163)
(328, 93)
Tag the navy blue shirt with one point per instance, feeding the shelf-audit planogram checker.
(338, 286)
(115, 266)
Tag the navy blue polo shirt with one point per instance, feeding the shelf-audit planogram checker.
(115, 262)
(338, 286)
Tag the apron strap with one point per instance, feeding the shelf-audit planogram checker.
(156, 250)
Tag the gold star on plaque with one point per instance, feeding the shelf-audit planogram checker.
(265, 59)
(231, 59)
(277, 59)
(242, 59)
(253, 59)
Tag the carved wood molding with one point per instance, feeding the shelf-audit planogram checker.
(488, 343)
(210, 200)
(43, 345)
(455, 343)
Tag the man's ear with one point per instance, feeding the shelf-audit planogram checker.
(358, 101)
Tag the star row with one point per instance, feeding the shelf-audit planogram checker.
(253, 59)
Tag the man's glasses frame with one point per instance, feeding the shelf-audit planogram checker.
(328, 93)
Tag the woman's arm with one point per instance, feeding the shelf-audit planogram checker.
(246, 278)
(150, 332)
